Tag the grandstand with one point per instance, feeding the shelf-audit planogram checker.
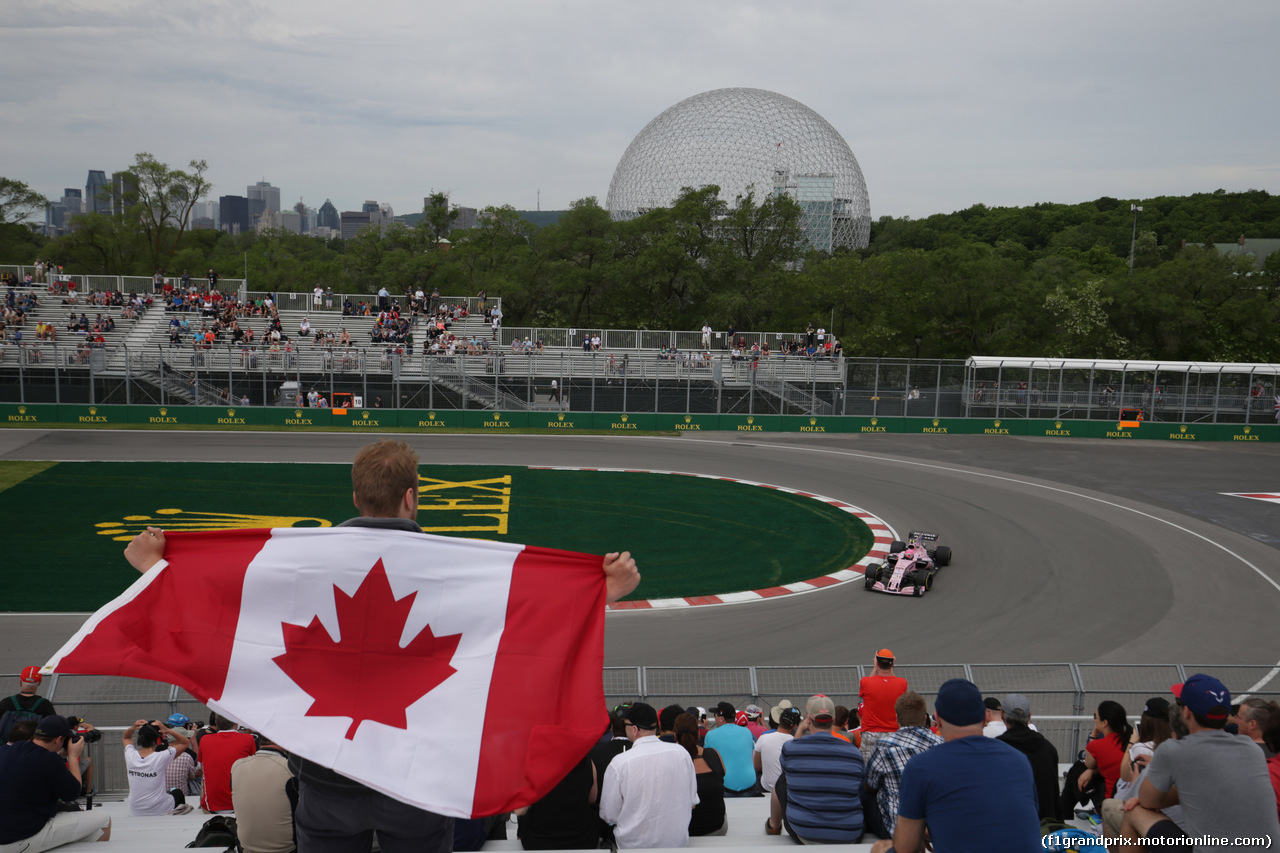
(511, 369)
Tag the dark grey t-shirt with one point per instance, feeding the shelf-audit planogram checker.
(1223, 786)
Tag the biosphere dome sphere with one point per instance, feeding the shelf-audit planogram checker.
(747, 139)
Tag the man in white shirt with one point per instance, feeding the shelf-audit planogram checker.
(649, 790)
(768, 748)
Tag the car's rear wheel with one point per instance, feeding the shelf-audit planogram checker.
(942, 556)
(897, 547)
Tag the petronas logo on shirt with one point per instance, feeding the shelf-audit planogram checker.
(186, 520)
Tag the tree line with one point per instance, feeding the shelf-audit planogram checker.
(1045, 280)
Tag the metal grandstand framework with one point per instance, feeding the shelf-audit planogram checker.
(745, 140)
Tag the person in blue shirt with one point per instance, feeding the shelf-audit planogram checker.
(735, 745)
(971, 792)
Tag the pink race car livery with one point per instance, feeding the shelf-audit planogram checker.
(910, 567)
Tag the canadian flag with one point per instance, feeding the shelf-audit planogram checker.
(458, 675)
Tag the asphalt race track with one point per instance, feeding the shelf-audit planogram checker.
(1065, 550)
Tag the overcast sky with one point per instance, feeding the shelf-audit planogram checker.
(945, 104)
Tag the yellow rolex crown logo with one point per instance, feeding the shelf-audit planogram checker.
(364, 415)
(297, 413)
(231, 413)
(688, 418)
(163, 411)
(93, 410)
(624, 418)
(813, 421)
(560, 417)
(1057, 424)
(184, 520)
(22, 410)
(997, 424)
(935, 421)
(1182, 428)
(497, 416)
(1119, 426)
(751, 420)
(875, 421)
(1247, 430)
(431, 416)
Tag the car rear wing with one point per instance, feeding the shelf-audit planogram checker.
(920, 534)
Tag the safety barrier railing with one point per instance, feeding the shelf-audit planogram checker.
(1062, 695)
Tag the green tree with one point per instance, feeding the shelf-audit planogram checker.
(161, 202)
(438, 218)
(18, 202)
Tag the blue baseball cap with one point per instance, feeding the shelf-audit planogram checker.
(177, 720)
(960, 702)
(1205, 695)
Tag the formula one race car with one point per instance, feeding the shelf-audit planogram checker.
(910, 567)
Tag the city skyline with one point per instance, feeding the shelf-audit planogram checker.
(995, 102)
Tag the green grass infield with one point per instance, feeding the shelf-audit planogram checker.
(691, 536)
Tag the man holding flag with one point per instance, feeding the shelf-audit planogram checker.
(355, 647)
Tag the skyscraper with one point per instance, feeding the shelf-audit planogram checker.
(328, 217)
(268, 194)
(233, 214)
(96, 199)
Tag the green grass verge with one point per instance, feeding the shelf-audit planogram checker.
(690, 536)
(13, 473)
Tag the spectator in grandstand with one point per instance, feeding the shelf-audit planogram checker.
(33, 780)
(26, 703)
(219, 748)
(1104, 752)
(147, 764)
(304, 327)
(840, 727)
(755, 718)
(972, 792)
(183, 773)
(994, 726)
(264, 795)
(879, 691)
(767, 753)
(1042, 754)
(650, 790)
(566, 818)
(1272, 738)
(735, 745)
(1153, 729)
(1220, 780)
(667, 722)
(816, 796)
(893, 751)
(708, 815)
(613, 744)
(1252, 718)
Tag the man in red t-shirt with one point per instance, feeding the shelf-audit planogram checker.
(218, 749)
(878, 692)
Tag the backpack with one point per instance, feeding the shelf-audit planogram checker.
(218, 831)
(17, 715)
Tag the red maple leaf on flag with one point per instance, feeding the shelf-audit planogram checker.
(366, 675)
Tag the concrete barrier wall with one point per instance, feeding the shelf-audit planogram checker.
(491, 420)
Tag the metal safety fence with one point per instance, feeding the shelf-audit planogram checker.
(1063, 696)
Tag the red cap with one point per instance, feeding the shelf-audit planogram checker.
(740, 718)
(885, 653)
(31, 675)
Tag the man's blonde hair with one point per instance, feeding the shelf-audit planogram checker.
(380, 475)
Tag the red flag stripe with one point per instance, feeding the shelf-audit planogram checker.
(144, 642)
(555, 655)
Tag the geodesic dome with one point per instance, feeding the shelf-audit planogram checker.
(743, 139)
